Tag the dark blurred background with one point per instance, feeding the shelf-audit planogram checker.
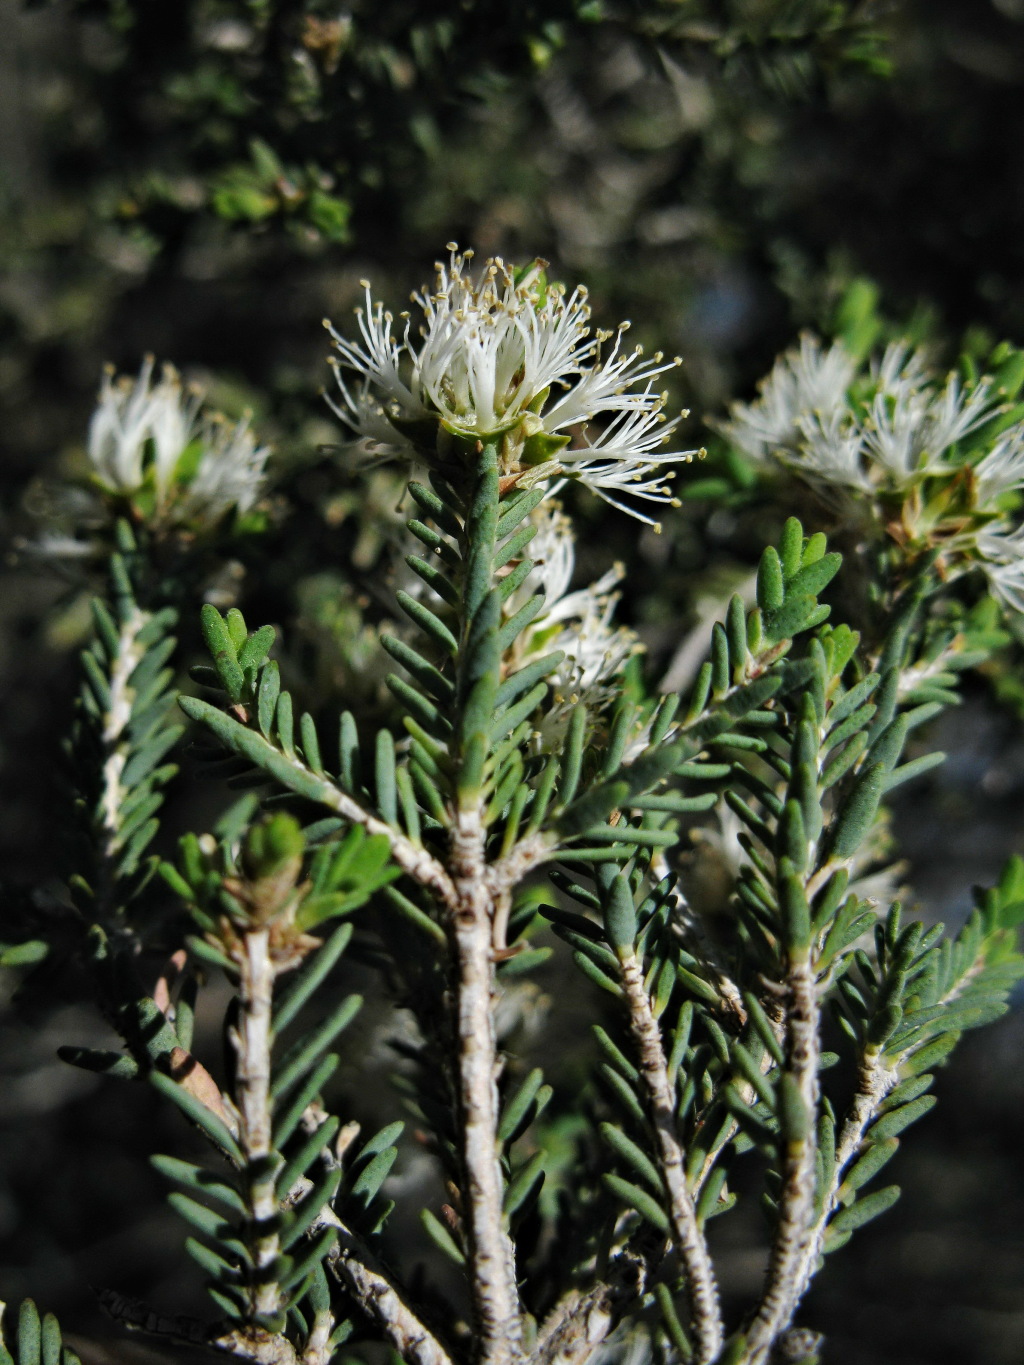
(205, 181)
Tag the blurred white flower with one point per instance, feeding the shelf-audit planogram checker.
(1002, 469)
(911, 425)
(808, 382)
(147, 435)
(508, 357)
(130, 415)
(884, 450)
(579, 623)
(903, 432)
(1001, 556)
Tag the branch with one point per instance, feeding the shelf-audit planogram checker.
(252, 1042)
(249, 1343)
(492, 1258)
(702, 1287)
(874, 1082)
(795, 1232)
(582, 1320)
(115, 725)
(293, 774)
(373, 1289)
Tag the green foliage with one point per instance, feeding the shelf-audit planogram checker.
(35, 1341)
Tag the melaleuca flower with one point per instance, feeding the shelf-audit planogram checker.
(1000, 550)
(804, 382)
(899, 429)
(152, 444)
(508, 357)
(579, 624)
(900, 451)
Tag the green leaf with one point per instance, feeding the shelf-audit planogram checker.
(287, 1120)
(634, 1156)
(889, 1125)
(813, 579)
(212, 1225)
(867, 1166)
(524, 1185)
(620, 924)
(217, 636)
(307, 1051)
(315, 1253)
(29, 1334)
(871, 1206)
(367, 1184)
(203, 1182)
(770, 586)
(441, 1237)
(635, 1198)
(197, 1112)
(308, 979)
(310, 1207)
(858, 812)
(116, 1064)
(256, 647)
(305, 1154)
(519, 1109)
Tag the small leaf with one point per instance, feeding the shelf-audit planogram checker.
(636, 1198)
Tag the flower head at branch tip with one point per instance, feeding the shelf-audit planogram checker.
(151, 442)
(899, 450)
(506, 356)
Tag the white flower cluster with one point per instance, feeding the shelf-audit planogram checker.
(885, 445)
(577, 623)
(154, 436)
(510, 358)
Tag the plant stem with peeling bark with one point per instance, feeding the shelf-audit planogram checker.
(687, 1235)
(795, 1232)
(491, 1255)
(380, 1299)
(874, 1083)
(253, 1040)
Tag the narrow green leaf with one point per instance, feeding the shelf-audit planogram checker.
(635, 1198)
(519, 1107)
(858, 811)
(217, 635)
(29, 1334)
(303, 985)
(673, 1327)
(287, 1120)
(771, 591)
(256, 647)
(310, 1207)
(306, 1052)
(418, 668)
(871, 1206)
(266, 697)
(197, 1112)
(428, 622)
(429, 502)
(893, 1123)
(868, 1165)
(441, 1237)
(525, 1183)
(620, 924)
(633, 1156)
(204, 1182)
(316, 1251)
(516, 624)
